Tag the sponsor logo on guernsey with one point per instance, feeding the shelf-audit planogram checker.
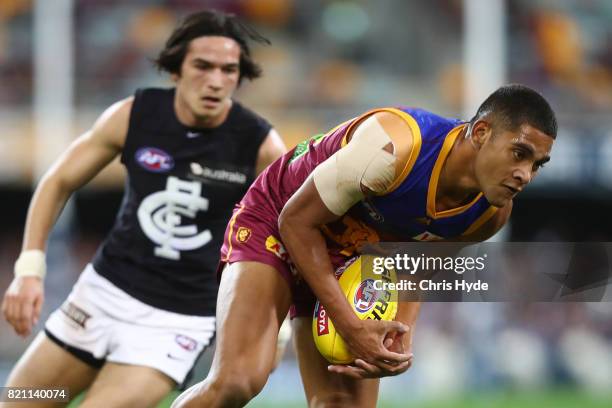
(155, 160)
(205, 174)
(365, 296)
(75, 313)
(161, 217)
(186, 343)
(427, 236)
(274, 245)
(243, 234)
(322, 320)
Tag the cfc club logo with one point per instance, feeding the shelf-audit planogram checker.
(365, 296)
(161, 217)
(243, 234)
(155, 160)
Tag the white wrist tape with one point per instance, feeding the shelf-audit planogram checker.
(31, 263)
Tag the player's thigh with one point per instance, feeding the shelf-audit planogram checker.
(47, 365)
(322, 388)
(122, 385)
(252, 303)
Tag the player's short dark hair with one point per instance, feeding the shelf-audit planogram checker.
(514, 105)
(210, 23)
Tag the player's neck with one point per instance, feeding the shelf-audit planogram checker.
(457, 184)
(188, 118)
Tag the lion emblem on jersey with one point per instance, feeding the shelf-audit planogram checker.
(243, 234)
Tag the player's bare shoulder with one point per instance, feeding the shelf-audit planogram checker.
(112, 125)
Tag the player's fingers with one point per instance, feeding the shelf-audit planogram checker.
(396, 326)
(388, 342)
(349, 371)
(13, 315)
(29, 310)
(384, 369)
(400, 368)
(10, 310)
(391, 368)
(38, 303)
(390, 357)
(370, 368)
(24, 317)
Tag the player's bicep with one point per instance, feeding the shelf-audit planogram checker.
(94, 149)
(306, 208)
(372, 162)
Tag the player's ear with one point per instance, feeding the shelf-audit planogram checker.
(174, 76)
(481, 132)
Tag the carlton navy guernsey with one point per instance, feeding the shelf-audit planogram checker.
(182, 184)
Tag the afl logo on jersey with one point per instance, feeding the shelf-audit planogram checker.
(155, 160)
(185, 342)
(365, 296)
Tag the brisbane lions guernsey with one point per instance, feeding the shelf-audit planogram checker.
(407, 211)
(182, 184)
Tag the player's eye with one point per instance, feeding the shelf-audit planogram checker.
(202, 65)
(537, 167)
(230, 70)
(518, 154)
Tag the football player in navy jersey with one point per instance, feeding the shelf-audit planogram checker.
(144, 309)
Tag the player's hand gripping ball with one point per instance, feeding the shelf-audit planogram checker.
(359, 288)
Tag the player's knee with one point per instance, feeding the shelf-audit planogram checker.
(239, 387)
(332, 400)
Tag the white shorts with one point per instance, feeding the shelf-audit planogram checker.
(99, 322)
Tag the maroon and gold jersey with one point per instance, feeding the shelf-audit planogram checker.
(406, 211)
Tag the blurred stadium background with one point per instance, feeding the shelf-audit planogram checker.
(63, 61)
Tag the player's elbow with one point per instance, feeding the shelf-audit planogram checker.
(53, 182)
(291, 223)
(286, 222)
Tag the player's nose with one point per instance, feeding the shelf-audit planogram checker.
(522, 175)
(215, 80)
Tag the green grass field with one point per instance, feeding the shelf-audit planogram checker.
(563, 398)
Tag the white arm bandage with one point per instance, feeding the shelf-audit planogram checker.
(31, 263)
(361, 162)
